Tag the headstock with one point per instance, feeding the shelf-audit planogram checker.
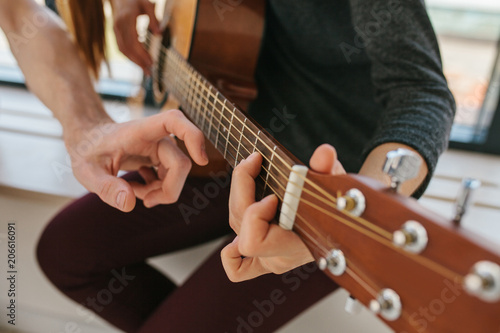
(417, 270)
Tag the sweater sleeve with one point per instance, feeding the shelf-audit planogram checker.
(406, 72)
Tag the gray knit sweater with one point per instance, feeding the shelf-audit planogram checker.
(355, 74)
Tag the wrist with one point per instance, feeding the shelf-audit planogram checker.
(373, 165)
(85, 125)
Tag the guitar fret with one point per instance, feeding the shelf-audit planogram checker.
(269, 170)
(196, 102)
(256, 140)
(202, 101)
(204, 116)
(191, 94)
(220, 120)
(239, 141)
(229, 130)
(211, 116)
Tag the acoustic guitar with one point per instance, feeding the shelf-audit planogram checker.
(417, 271)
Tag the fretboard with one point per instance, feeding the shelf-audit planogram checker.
(234, 134)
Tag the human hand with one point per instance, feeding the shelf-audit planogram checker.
(261, 247)
(99, 152)
(125, 13)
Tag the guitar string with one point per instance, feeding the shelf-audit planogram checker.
(265, 144)
(350, 269)
(264, 155)
(333, 199)
(366, 223)
(180, 61)
(359, 280)
(178, 58)
(201, 95)
(422, 260)
(284, 189)
(365, 285)
(319, 245)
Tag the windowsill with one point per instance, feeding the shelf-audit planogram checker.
(116, 89)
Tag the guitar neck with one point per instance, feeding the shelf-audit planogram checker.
(235, 135)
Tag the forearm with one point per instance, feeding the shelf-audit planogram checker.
(51, 64)
(373, 165)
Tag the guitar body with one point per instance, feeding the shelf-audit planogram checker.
(221, 39)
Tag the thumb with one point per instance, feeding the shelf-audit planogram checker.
(113, 190)
(324, 158)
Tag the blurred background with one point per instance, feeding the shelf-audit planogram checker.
(36, 179)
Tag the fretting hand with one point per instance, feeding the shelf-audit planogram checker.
(262, 247)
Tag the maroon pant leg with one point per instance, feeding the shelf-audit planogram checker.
(96, 255)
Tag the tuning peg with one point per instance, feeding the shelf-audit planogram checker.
(387, 304)
(401, 165)
(483, 281)
(352, 305)
(412, 237)
(464, 198)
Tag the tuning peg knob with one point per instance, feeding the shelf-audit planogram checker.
(352, 305)
(401, 165)
(387, 304)
(353, 201)
(483, 281)
(335, 262)
(412, 237)
(464, 198)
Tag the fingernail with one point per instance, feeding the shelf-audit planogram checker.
(120, 199)
(253, 156)
(269, 197)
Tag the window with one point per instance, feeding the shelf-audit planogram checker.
(122, 82)
(468, 34)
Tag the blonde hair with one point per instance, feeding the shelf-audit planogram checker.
(86, 22)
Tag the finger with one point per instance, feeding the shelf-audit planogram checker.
(136, 52)
(273, 241)
(112, 190)
(237, 268)
(144, 58)
(151, 180)
(128, 43)
(154, 25)
(148, 174)
(178, 167)
(242, 192)
(255, 227)
(174, 122)
(323, 159)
